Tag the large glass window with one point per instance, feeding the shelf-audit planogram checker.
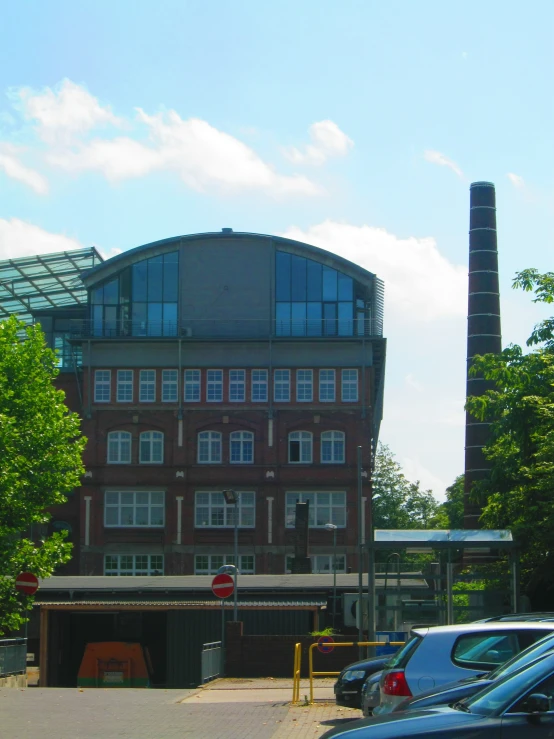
(209, 447)
(304, 385)
(237, 385)
(209, 564)
(300, 447)
(327, 385)
(141, 301)
(324, 508)
(192, 385)
(169, 386)
(151, 447)
(281, 386)
(214, 386)
(119, 447)
(316, 300)
(123, 508)
(147, 386)
(134, 564)
(259, 386)
(211, 510)
(102, 386)
(241, 447)
(332, 447)
(349, 385)
(124, 386)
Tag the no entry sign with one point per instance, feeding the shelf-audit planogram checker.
(26, 583)
(325, 644)
(223, 586)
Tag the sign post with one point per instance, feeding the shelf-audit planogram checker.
(222, 587)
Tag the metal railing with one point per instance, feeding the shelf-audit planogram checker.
(13, 657)
(212, 661)
(224, 328)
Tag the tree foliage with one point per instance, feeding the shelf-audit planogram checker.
(401, 504)
(40, 463)
(520, 491)
(453, 506)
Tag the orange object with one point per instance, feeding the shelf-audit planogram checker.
(113, 664)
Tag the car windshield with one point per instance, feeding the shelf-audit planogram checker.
(404, 653)
(523, 658)
(500, 694)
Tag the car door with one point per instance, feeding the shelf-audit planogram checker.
(518, 723)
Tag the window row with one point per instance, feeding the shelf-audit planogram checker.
(236, 386)
(147, 509)
(241, 447)
(208, 564)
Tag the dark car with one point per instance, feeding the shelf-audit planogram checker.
(517, 706)
(456, 691)
(349, 683)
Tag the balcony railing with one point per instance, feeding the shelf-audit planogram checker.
(224, 329)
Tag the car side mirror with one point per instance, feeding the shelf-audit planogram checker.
(537, 703)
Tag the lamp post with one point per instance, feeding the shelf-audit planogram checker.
(233, 498)
(333, 528)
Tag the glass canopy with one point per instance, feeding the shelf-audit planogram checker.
(443, 538)
(29, 284)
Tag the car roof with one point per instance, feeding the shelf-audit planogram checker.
(486, 626)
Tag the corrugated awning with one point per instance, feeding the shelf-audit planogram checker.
(254, 604)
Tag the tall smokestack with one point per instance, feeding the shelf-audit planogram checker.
(483, 329)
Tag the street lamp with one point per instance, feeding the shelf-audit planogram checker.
(233, 498)
(333, 528)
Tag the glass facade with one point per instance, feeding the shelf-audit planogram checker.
(141, 301)
(314, 300)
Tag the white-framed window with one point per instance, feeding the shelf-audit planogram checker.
(210, 510)
(349, 385)
(169, 385)
(327, 385)
(139, 510)
(321, 563)
(332, 447)
(124, 386)
(102, 386)
(209, 564)
(324, 508)
(300, 447)
(237, 385)
(304, 385)
(241, 447)
(214, 386)
(134, 564)
(147, 386)
(119, 447)
(209, 447)
(281, 386)
(259, 386)
(151, 447)
(192, 385)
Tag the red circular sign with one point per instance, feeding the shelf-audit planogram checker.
(26, 583)
(223, 585)
(325, 644)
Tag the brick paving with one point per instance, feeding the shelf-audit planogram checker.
(226, 709)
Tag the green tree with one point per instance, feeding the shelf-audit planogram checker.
(453, 506)
(40, 463)
(519, 493)
(401, 504)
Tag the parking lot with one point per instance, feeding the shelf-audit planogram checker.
(225, 709)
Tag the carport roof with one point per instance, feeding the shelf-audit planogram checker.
(443, 538)
(184, 603)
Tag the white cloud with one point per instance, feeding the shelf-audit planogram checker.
(327, 141)
(420, 284)
(517, 181)
(199, 153)
(411, 382)
(435, 157)
(63, 112)
(13, 168)
(20, 239)
(415, 471)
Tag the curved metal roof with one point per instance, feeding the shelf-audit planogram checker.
(113, 265)
(30, 284)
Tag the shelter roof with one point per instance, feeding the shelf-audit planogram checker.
(443, 538)
(31, 284)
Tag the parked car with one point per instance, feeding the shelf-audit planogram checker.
(370, 695)
(349, 683)
(516, 707)
(441, 654)
(452, 692)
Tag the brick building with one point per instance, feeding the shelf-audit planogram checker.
(209, 362)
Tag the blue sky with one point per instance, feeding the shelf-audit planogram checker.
(356, 126)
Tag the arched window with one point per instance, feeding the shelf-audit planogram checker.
(300, 447)
(209, 447)
(119, 447)
(242, 447)
(332, 447)
(152, 447)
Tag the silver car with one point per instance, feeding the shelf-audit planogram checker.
(442, 654)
